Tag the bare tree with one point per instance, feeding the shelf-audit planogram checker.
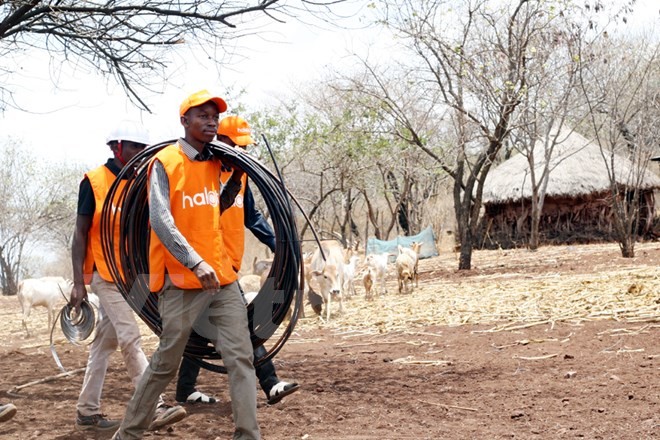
(35, 201)
(304, 146)
(470, 58)
(392, 178)
(129, 40)
(620, 81)
(550, 109)
(475, 60)
(553, 106)
(353, 177)
(332, 159)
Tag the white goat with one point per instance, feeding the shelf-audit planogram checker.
(378, 262)
(46, 292)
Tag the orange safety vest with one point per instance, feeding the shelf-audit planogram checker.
(101, 179)
(195, 205)
(233, 224)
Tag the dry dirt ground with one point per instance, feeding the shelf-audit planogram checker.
(557, 344)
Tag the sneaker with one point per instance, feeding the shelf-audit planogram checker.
(95, 422)
(198, 397)
(7, 412)
(281, 390)
(166, 415)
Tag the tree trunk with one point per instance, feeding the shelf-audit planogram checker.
(536, 217)
(627, 247)
(534, 234)
(465, 258)
(624, 216)
(9, 286)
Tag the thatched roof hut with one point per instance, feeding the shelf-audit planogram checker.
(576, 207)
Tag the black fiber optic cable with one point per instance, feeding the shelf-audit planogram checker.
(129, 264)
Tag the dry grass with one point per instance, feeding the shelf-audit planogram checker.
(514, 289)
(507, 290)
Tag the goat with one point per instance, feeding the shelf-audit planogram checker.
(413, 251)
(261, 266)
(378, 262)
(250, 283)
(46, 292)
(349, 275)
(368, 282)
(405, 268)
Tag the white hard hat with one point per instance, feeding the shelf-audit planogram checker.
(129, 131)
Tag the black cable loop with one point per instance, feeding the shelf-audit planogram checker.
(285, 282)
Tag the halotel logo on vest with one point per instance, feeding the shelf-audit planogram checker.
(200, 199)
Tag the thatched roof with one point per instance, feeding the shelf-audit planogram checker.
(577, 169)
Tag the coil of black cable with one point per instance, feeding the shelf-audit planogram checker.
(129, 263)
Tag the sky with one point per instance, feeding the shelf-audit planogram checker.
(70, 115)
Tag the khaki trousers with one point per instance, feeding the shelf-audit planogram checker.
(219, 316)
(116, 327)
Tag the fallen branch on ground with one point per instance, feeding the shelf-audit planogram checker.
(45, 380)
(442, 405)
(536, 358)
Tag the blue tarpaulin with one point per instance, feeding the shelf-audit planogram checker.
(426, 238)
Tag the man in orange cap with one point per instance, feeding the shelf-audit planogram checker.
(190, 269)
(234, 130)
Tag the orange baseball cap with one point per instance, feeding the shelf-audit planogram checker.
(200, 98)
(237, 129)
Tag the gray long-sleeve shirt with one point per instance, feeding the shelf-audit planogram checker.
(160, 212)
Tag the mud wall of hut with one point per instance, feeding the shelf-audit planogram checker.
(564, 221)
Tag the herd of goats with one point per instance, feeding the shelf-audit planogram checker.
(331, 272)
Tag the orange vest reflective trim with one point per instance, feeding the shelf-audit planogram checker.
(195, 205)
(101, 179)
(233, 224)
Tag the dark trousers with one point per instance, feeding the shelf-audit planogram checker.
(189, 370)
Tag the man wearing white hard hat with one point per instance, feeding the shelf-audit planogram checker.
(116, 326)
